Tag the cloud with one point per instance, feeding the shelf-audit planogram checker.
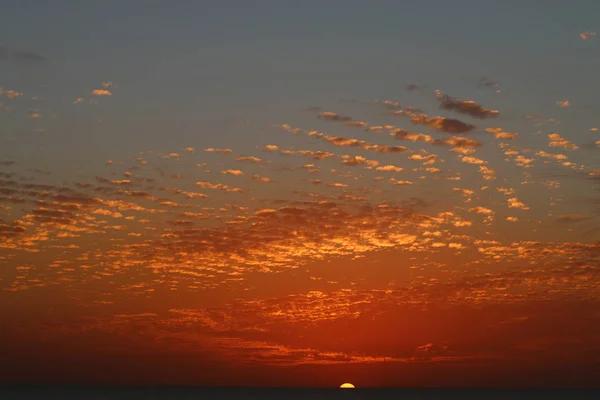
(513, 202)
(235, 172)
(564, 103)
(481, 210)
(488, 173)
(271, 147)
(448, 125)
(21, 57)
(348, 142)
(251, 159)
(389, 168)
(428, 159)
(460, 142)
(571, 218)
(468, 107)
(218, 186)
(260, 178)
(499, 133)
(11, 94)
(353, 160)
(331, 116)
(119, 182)
(101, 92)
(485, 82)
(587, 35)
(402, 134)
(397, 182)
(556, 140)
(472, 160)
(341, 141)
(315, 155)
(554, 156)
(220, 151)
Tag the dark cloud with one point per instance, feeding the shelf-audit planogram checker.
(21, 57)
(485, 82)
(571, 218)
(413, 86)
(468, 107)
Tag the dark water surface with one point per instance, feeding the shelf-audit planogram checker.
(134, 393)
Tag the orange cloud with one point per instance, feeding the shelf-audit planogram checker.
(235, 172)
(251, 159)
(448, 125)
(11, 94)
(218, 186)
(556, 140)
(101, 92)
(220, 151)
(587, 34)
(501, 134)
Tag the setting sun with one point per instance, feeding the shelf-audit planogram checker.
(346, 386)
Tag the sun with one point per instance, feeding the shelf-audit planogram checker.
(346, 386)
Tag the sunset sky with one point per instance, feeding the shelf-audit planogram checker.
(282, 193)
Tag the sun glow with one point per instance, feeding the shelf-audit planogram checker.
(346, 386)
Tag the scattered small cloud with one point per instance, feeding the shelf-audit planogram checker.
(499, 133)
(101, 92)
(235, 172)
(587, 35)
(11, 94)
(556, 140)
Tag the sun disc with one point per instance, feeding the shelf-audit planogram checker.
(346, 386)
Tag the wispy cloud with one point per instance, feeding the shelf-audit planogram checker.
(21, 57)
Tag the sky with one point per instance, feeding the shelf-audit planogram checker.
(302, 194)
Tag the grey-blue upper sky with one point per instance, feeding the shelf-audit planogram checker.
(193, 71)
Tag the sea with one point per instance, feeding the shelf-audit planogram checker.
(195, 393)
